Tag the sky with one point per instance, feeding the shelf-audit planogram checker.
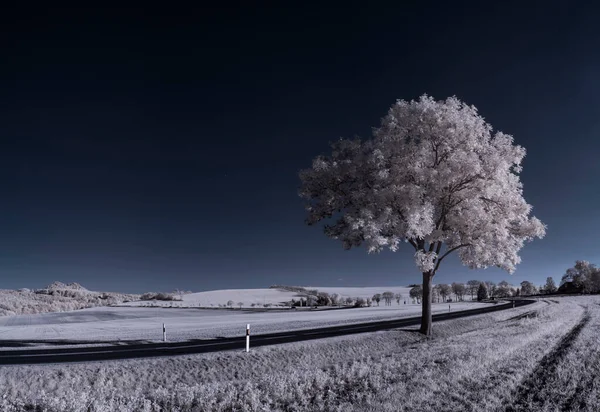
(148, 150)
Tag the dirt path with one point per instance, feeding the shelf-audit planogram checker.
(532, 393)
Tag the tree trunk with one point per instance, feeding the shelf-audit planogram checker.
(426, 311)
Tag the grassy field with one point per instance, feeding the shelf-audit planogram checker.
(543, 357)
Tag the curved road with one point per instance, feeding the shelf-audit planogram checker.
(85, 354)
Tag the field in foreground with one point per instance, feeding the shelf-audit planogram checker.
(543, 357)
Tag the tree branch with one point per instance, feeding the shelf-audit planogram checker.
(447, 253)
(412, 242)
(437, 249)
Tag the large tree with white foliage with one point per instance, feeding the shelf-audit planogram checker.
(434, 176)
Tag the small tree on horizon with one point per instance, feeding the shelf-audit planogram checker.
(527, 288)
(482, 293)
(445, 290)
(472, 287)
(398, 297)
(433, 176)
(387, 297)
(416, 293)
(377, 298)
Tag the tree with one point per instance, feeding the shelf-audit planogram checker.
(416, 293)
(503, 289)
(230, 303)
(435, 294)
(459, 290)
(527, 288)
(584, 276)
(472, 287)
(444, 291)
(335, 299)
(377, 298)
(387, 297)
(491, 288)
(482, 293)
(433, 176)
(398, 297)
(240, 304)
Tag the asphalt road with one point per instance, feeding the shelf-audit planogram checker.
(114, 352)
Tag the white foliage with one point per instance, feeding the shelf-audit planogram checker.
(433, 173)
(425, 261)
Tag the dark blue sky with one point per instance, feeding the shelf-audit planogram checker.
(159, 149)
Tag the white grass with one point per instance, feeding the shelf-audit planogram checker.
(135, 323)
(472, 364)
(214, 298)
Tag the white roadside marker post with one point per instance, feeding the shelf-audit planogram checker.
(248, 337)
(448, 308)
(164, 333)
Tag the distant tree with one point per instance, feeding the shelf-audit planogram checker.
(229, 303)
(527, 288)
(360, 302)
(377, 298)
(416, 293)
(503, 290)
(459, 290)
(482, 293)
(518, 292)
(335, 299)
(240, 304)
(435, 294)
(349, 301)
(398, 297)
(472, 286)
(491, 288)
(323, 299)
(179, 293)
(584, 276)
(387, 297)
(369, 302)
(434, 176)
(445, 290)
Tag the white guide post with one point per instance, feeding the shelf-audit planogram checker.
(448, 308)
(164, 333)
(248, 338)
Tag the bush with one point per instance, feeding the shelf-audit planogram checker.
(359, 303)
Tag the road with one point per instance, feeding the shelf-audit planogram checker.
(86, 354)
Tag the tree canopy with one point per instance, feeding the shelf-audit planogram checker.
(434, 176)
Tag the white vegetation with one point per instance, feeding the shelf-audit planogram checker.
(435, 176)
(57, 297)
(483, 363)
(584, 276)
(122, 324)
(361, 292)
(215, 298)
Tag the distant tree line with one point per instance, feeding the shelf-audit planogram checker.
(584, 277)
